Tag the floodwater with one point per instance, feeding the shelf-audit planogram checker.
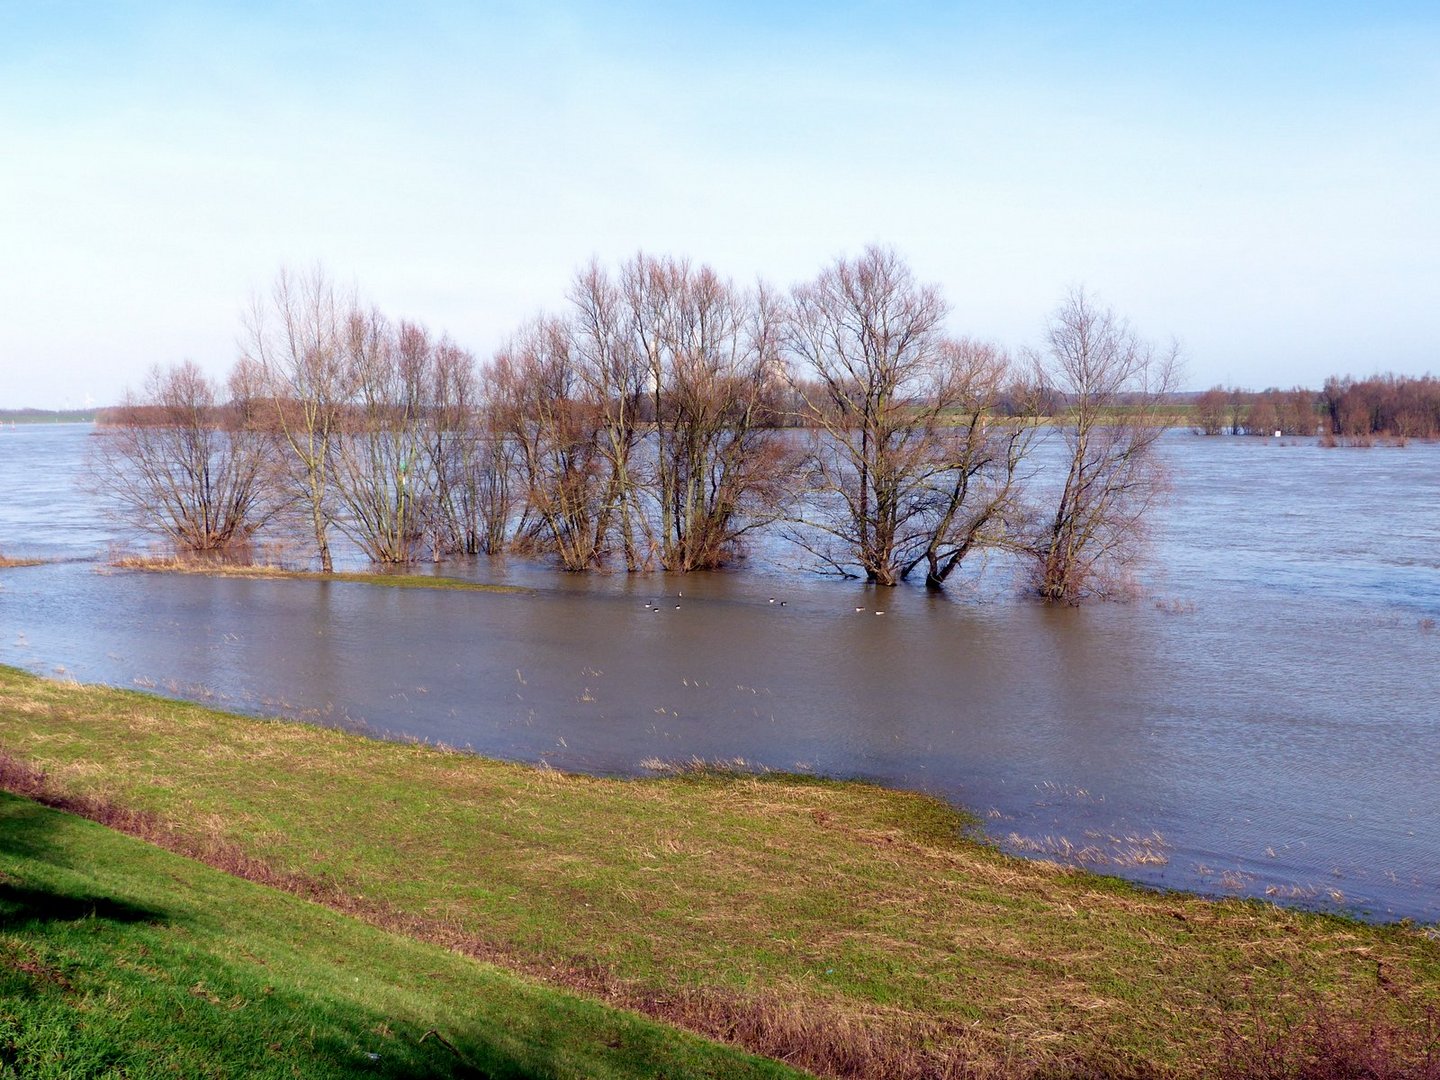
(1265, 721)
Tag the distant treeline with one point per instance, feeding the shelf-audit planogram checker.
(1346, 410)
(47, 416)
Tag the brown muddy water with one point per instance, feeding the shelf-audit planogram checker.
(1265, 721)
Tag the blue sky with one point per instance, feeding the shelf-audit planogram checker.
(1259, 181)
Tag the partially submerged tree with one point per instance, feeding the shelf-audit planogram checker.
(1392, 406)
(976, 499)
(179, 460)
(605, 328)
(473, 499)
(672, 366)
(727, 465)
(1239, 410)
(711, 354)
(910, 462)
(382, 467)
(1117, 391)
(542, 408)
(295, 340)
(1288, 412)
(1210, 411)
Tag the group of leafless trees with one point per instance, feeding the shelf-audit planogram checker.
(643, 422)
(1352, 410)
(654, 422)
(1221, 411)
(1386, 405)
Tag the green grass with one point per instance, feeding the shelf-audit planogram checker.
(120, 959)
(818, 921)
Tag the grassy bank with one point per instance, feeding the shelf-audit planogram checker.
(387, 580)
(845, 928)
(120, 959)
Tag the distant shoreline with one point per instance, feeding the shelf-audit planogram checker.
(48, 416)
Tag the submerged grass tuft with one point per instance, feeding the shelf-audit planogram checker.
(389, 580)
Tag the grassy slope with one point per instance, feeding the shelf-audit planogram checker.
(118, 958)
(822, 921)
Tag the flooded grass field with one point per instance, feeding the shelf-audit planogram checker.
(1262, 721)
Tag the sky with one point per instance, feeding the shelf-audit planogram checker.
(1259, 181)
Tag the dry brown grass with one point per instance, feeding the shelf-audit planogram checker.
(219, 567)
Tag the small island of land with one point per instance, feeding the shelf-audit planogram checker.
(388, 580)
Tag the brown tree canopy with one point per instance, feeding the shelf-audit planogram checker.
(1118, 390)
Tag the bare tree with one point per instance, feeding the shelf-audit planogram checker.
(1239, 410)
(1392, 406)
(1210, 411)
(382, 465)
(729, 467)
(650, 289)
(979, 447)
(469, 459)
(606, 329)
(544, 409)
(910, 463)
(1263, 418)
(715, 444)
(1117, 389)
(179, 461)
(672, 363)
(294, 337)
